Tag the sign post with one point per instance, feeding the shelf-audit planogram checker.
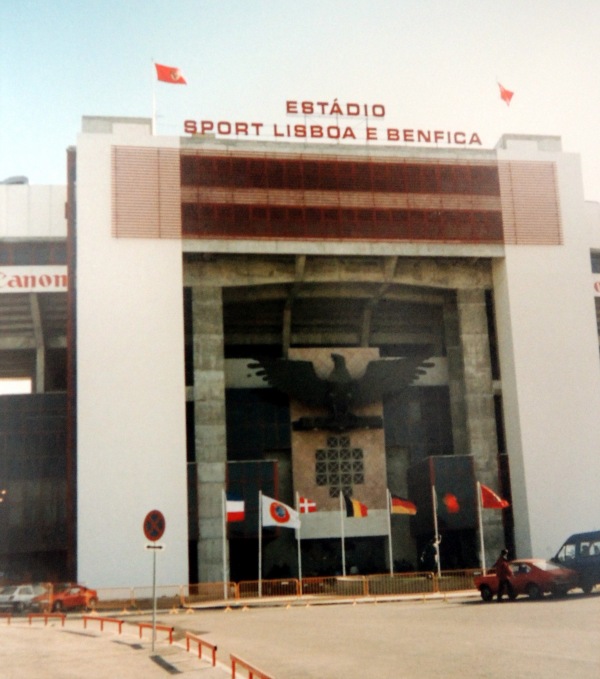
(154, 528)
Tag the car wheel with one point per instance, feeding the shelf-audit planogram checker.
(57, 607)
(587, 586)
(92, 603)
(533, 591)
(486, 593)
(19, 607)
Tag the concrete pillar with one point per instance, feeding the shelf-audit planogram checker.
(398, 462)
(40, 348)
(472, 400)
(210, 436)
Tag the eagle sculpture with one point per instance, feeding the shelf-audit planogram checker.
(340, 393)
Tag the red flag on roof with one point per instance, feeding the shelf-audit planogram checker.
(505, 95)
(490, 500)
(169, 74)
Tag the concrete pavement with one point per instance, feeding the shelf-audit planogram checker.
(37, 651)
(426, 637)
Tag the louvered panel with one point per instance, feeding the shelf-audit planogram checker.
(334, 159)
(530, 205)
(350, 199)
(208, 168)
(146, 194)
(310, 196)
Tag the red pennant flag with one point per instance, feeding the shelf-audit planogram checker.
(505, 95)
(169, 74)
(451, 503)
(489, 499)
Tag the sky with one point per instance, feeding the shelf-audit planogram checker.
(433, 64)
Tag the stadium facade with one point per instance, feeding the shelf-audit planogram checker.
(137, 297)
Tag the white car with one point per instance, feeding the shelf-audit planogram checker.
(20, 597)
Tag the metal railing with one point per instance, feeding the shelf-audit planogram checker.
(351, 586)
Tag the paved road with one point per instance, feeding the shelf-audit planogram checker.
(453, 638)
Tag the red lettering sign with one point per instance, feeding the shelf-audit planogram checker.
(345, 113)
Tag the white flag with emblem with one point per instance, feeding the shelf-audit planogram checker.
(275, 513)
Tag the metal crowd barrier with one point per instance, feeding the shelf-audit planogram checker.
(251, 671)
(402, 583)
(355, 586)
(205, 592)
(456, 581)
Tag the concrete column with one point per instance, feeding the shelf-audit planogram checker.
(472, 400)
(210, 437)
(40, 348)
(398, 462)
(455, 379)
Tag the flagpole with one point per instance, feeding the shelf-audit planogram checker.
(260, 543)
(435, 528)
(389, 520)
(298, 538)
(480, 521)
(153, 100)
(342, 533)
(225, 569)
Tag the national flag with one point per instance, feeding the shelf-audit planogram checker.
(490, 500)
(355, 508)
(169, 74)
(235, 508)
(306, 506)
(275, 513)
(399, 505)
(449, 502)
(505, 95)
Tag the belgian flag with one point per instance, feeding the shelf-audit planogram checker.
(354, 508)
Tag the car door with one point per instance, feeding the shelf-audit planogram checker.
(25, 594)
(78, 597)
(520, 576)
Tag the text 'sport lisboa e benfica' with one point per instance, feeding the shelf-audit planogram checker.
(342, 125)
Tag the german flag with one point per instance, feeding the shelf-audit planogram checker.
(355, 508)
(400, 505)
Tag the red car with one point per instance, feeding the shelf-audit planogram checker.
(68, 597)
(533, 577)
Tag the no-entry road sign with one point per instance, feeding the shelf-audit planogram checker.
(154, 525)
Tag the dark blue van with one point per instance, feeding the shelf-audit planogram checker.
(581, 553)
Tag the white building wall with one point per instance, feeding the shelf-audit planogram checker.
(130, 383)
(550, 369)
(592, 211)
(32, 211)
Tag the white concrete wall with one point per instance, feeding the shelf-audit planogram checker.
(592, 212)
(32, 211)
(550, 372)
(131, 386)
